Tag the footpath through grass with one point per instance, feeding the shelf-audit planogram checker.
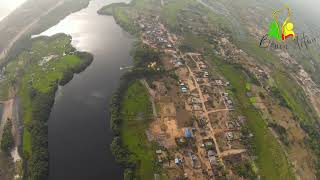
(272, 161)
(136, 112)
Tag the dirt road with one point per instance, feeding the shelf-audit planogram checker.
(206, 113)
(232, 152)
(151, 96)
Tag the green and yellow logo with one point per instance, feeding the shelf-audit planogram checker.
(281, 32)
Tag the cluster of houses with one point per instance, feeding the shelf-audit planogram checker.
(154, 33)
(196, 148)
(227, 101)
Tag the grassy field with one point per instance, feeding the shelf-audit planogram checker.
(171, 10)
(41, 78)
(290, 90)
(272, 161)
(136, 111)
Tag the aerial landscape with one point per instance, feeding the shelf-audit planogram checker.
(159, 90)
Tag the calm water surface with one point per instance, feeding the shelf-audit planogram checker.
(79, 132)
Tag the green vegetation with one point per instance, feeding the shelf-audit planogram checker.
(130, 115)
(272, 161)
(171, 10)
(253, 100)
(288, 91)
(37, 72)
(120, 13)
(132, 147)
(281, 131)
(248, 87)
(7, 138)
(136, 112)
(110, 9)
(245, 170)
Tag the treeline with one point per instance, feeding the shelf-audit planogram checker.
(7, 138)
(143, 55)
(275, 92)
(119, 13)
(281, 131)
(313, 141)
(87, 59)
(109, 9)
(37, 163)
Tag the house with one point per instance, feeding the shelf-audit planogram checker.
(203, 66)
(196, 107)
(212, 160)
(184, 89)
(178, 64)
(211, 153)
(230, 136)
(178, 161)
(219, 82)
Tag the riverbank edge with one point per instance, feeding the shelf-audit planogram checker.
(46, 103)
(120, 151)
(110, 10)
(43, 24)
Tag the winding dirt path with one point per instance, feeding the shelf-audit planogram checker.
(232, 152)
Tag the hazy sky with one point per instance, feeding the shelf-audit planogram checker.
(6, 6)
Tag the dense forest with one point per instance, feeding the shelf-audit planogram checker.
(7, 138)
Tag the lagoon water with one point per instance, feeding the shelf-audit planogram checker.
(79, 131)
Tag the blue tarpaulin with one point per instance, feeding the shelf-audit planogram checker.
(187, 133)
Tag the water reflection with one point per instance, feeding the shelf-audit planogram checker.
(81, 25)
(79, 132)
